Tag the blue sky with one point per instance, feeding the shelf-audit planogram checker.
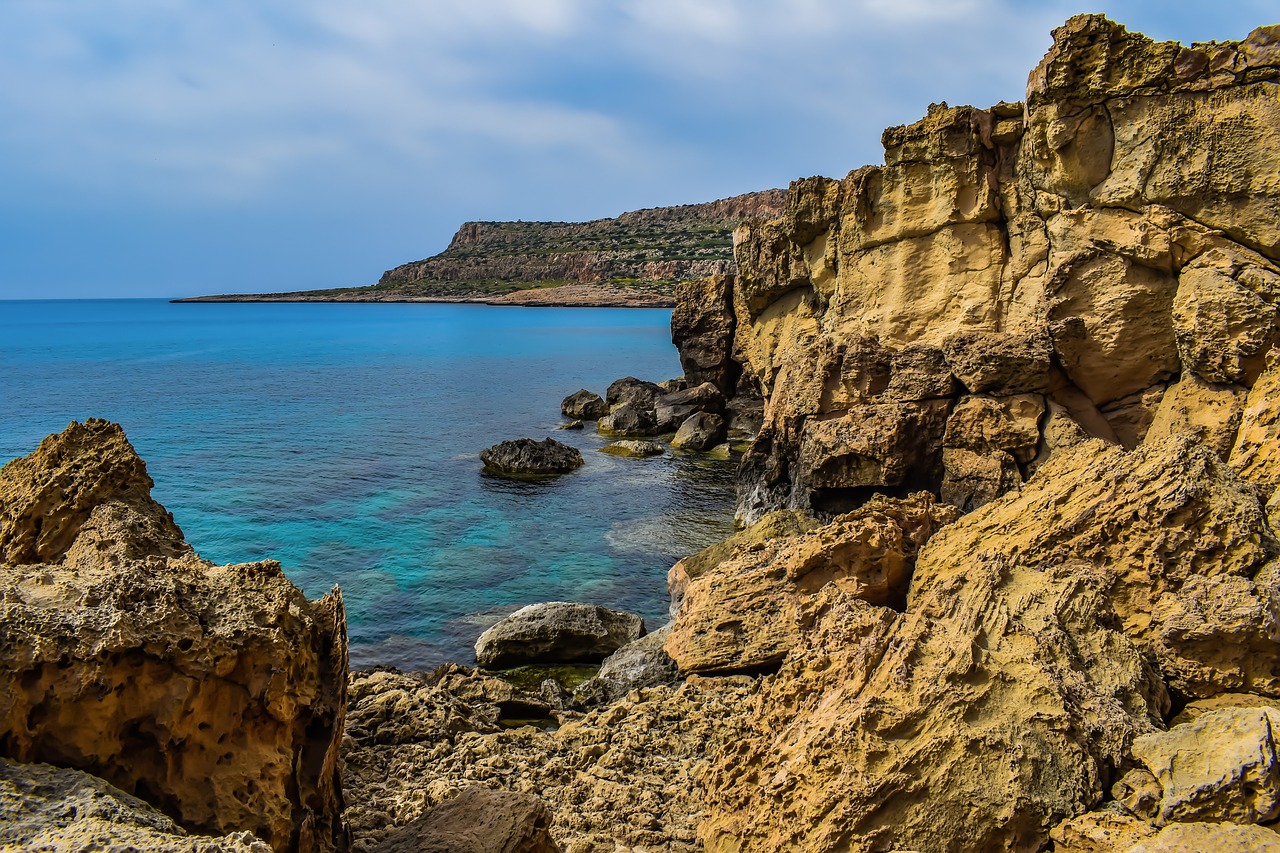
(178, 147)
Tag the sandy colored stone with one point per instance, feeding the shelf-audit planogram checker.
(1221, 767)
(750, 611)
(624, 775)
(1202, 837)
(1223, 328)
(1130, 417)
(216, 693)
(1209, 413)
(1256, 453)
(1183, 543)
(977, 720)
(1099, 832)
(1000, 364)
(53, 808)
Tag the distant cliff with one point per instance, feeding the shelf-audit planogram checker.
(634, 259)
(646, 249)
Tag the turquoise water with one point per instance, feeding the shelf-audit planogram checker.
(342, 440)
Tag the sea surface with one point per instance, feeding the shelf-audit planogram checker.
(342, 440)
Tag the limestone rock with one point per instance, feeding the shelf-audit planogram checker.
(624, 775)
(1256, 454)
(1100, 832)
(556, 632)
(584, 405)
(1224, 329)
(52, 808)
(633, 448)
(988, 712)
(702, 328)
(701, 431)
(749, 611)
(90, 468)
(216, 693)
(524, 457)
(1221, 767)
(478, 821)
(1209, 413)
(1000, 364)
(1200, 837)
(1181, 542)
(642, 663)
(775, 525)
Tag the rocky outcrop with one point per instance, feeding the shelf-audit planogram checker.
(702, 328)
(524, 457)
(620, 776)
(215, 693)
(478, 821)
(666, 244)
(584, 404)
(1112, 238)
(557, 632)
(52, 808)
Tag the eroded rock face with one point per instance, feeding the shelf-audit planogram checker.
(53, 808)
(751, 610)
(557, 632)
(215, 693)
(702, 327)
(1113, 236)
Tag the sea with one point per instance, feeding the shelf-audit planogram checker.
(343, 441)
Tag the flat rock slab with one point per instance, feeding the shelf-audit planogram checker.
(525, 457)
(557, 632)
(634, 448)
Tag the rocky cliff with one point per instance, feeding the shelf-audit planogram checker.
(652, 248)
(1101, 258)
(214, 693)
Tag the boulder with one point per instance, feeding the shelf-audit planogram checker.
(749, 611)
(525, 457)
(637, 392)
(672, 409)
(634, 449)
(643, 663)
(478, 820)
(629, 419)
(584, 405)
(53, 808)
(557, 632)
(998, 363)
(1220, 768)
(701, 432)
(216, 693)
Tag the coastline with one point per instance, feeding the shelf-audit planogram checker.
(563, 296)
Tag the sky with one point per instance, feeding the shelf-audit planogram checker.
(162, 148)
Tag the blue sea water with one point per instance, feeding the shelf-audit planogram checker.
(342, 440)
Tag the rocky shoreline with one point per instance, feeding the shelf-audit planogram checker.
(1008, 577)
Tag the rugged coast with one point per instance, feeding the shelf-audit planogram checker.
(1009, 576)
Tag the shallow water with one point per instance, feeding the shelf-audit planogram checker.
(342, 440)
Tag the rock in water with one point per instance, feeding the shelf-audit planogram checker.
(702, 326)
(478, 821)
(525, 457)
(557, 632)
(635, 449)
(216, 693)
(702, 431)
(584, 405)
(637, 392)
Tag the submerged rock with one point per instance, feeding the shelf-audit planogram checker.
(557, 632)
(634, 448)
(216, 693)
(525, 457)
